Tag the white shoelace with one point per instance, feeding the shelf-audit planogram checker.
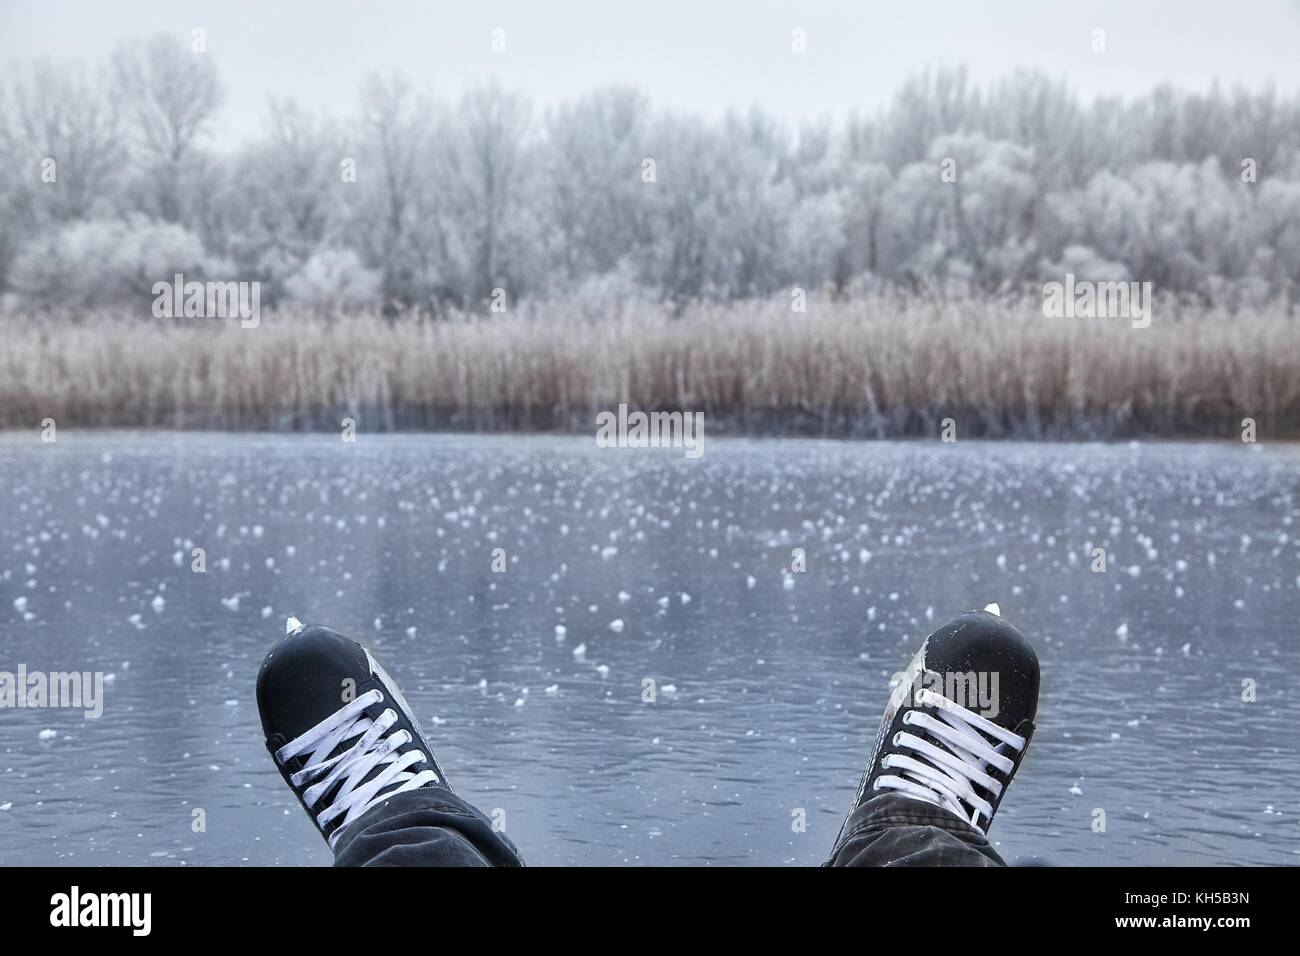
(947, 777)
(352, 765)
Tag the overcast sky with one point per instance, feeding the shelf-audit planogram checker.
(705, 55)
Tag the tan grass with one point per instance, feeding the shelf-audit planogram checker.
(873, 366)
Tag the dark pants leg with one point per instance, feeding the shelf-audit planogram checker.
(892, 830)
(427, 827)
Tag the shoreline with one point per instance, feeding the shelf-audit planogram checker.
(18, 435)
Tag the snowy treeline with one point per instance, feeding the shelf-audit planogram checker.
(118, 178)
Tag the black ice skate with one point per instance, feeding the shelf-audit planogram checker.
(338, 728)
(957, 726)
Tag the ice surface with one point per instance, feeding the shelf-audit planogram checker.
(780, 689)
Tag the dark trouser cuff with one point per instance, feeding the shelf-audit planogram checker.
(894, 830)
(427, 827)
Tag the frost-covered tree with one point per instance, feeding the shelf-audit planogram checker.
(393, 206)
(113, 262)
(928, 105)
(169, 94)
(592, 193)
(334, 280)
(288, 185)
(61, 147)
(951, 185)
(1177, 226)
(485, 171)
(966, 213)
(720, 209)
(62, 142)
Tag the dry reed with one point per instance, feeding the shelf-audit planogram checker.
(877, 366)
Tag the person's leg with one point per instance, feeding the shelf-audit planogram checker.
(952, 737)
(429, 827)
(891, 830)
(348, 744)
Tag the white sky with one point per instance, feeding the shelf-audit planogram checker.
(705, 55)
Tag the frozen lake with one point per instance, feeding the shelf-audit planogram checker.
(779, 680)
